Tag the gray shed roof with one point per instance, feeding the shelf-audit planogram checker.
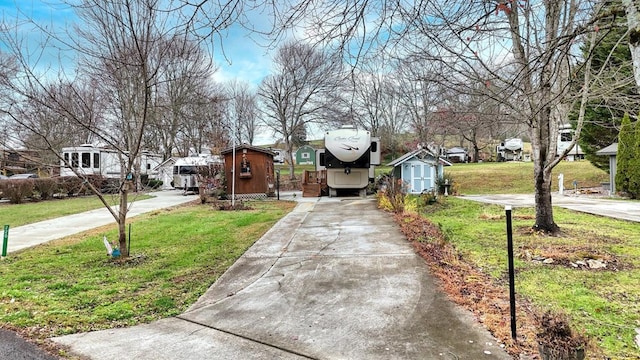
(609, 150)
(415, 153)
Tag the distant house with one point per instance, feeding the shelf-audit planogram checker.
(612, 152)
(254, 173)
(420, 169)
(306, 155)
(457, 154)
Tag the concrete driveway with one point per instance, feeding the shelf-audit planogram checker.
(618, 209)
(334, 279)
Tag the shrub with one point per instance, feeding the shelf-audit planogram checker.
(46, 187)
(16, 190)
(71, 185)
(392, 194)
(153, 183)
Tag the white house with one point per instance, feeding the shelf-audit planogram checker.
(420, 169)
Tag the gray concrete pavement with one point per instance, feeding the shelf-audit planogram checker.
(619, 209)
(22, 237)
(334, 279)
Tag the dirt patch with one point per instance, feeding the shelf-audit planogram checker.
(579, 257)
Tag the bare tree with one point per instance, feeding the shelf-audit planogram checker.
(242, 111)
(295, 95)
(420, 95)
(183, 88)
(122, 50)
(533, 41)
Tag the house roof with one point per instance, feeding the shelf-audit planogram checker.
(306, 148)
(248, 147)
(609, 150)
(416, 153)
(170, 161)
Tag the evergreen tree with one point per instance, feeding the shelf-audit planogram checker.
(633, 172)
(626, 151)
(616, 91)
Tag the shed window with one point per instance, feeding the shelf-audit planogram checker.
(245, 167)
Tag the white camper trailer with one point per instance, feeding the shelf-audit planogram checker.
(349, 157)
(187, 170)
(510, 150)
(88, 159)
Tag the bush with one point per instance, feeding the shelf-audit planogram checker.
(153, 183)
(46, 187)
(16, 190)
(71, 185)
(392, 194)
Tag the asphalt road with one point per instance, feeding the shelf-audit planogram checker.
(14, 347)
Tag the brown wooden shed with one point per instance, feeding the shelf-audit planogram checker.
(254, 173)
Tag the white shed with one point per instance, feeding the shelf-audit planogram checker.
(419, 169)
(165, 173)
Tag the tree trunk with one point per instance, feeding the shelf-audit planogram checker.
(544, 207)
(122, 220)
(633, 20)
(292, 168)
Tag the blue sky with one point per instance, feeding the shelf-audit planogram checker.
(243, 59)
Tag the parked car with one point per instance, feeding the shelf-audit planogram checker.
(23, 176)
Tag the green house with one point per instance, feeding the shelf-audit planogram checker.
(306, 155)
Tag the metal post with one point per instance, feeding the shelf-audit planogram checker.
(278, 183)
(512, 286)
(5, 240)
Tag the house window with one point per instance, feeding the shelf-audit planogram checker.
(74, 159)
(66, 158)
(96, 160)
(566, 137)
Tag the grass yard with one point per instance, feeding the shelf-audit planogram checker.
(517, 177)
(70, 285)
(27, 213)
(605, 303)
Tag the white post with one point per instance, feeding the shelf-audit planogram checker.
(561, 184)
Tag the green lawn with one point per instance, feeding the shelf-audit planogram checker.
(517, 177)
(70, 285)
(27, 213)
(605, 303)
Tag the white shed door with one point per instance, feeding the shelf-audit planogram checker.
(421, 177)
